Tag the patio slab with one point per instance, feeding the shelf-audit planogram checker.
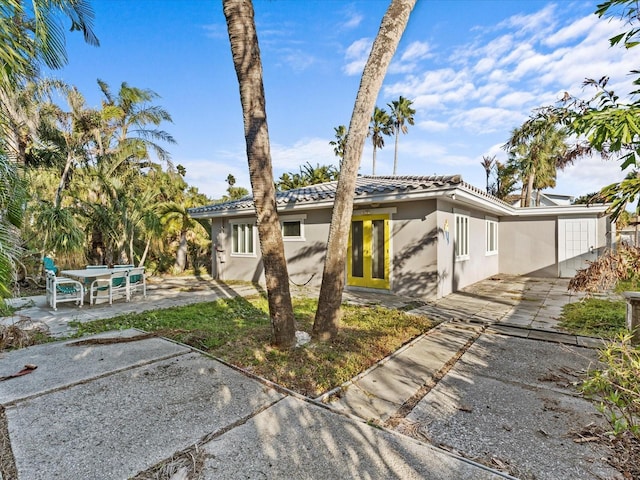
(294, 439)
(114, 425)
(510, 401)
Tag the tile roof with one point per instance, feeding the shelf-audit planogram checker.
(366, 186)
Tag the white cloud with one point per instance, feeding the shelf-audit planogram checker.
(433, 126)
(588, 175)
(488, 119)
(571, 32)
(516, 99)
(415, 51)
(210, 175)
(356, 56)
(312, 150)
(354, 19)
(297, 60)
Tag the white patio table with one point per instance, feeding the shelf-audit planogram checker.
(87, 273)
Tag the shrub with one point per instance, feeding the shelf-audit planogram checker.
(616, 385)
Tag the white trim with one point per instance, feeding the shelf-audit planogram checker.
(461, 244)
(374, 211)
(491, 230)
(291, 219)
(251, 223)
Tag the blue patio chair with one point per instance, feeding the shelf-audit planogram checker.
(137, 281)
(109, 286)
(61, 289)
(49, 265)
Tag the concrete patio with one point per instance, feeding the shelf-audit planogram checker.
(491, 386)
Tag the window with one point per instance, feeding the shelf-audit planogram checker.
(492, 236)
(293, 227)
(242, 239)
(462, 236)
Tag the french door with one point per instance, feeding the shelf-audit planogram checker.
(368, 253)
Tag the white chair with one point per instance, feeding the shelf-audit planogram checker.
(61, 289)
(136, 281)
(108, 287)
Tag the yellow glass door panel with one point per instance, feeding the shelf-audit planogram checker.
(368, 254)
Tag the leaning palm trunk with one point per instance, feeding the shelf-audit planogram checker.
(393, 24)
(246, 59)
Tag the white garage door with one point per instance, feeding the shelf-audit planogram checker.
(576, 244)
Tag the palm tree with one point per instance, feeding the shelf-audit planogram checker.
(537, 149)
(401, 112)
(488, 163)
(340, 142)
(31, 34)
(127, 136)
(380, 125)
(12, 196)
(318, 174)
(246, 59)
(325, 326)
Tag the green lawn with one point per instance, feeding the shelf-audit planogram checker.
(238, 331)
(595, 317)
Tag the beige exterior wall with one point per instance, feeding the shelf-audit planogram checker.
(528, 246)
(456, 274)
(414, 247)
(305, 257)
(423, 263)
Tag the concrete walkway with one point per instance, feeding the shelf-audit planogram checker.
(484, 331)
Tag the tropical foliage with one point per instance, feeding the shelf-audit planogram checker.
(308, 175)
(611, 125)
(537, 149)
(340, 141)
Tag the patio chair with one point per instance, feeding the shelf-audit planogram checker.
(108, 287)
(49, 265)
(137, 281)
(62, 289)
(88, 280)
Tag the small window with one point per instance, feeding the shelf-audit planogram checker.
(292, 227)
(492, 236)
(462, 236)
(242, 239)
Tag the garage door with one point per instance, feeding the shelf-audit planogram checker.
(576, 244)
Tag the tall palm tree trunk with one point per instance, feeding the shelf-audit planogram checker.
(373, 168)
(246, 59)
(394, 22)
(395, 153)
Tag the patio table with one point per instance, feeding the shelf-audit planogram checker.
(92, 272)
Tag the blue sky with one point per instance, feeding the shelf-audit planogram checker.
(475, 70)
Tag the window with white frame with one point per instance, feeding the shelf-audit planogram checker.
(462, 235)
(492, 236)
(242, 239)
(293, 227)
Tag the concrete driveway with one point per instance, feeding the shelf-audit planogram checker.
(493, 384)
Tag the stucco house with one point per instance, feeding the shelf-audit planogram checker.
(423, 236)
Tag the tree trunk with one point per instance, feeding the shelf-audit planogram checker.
(395, 152)
(530, 180)
(63, 180)
(395, 20)
(373, 169)
(246, 59)
(181, 254)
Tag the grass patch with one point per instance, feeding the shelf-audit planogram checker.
(238, 331)
(595, 317)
